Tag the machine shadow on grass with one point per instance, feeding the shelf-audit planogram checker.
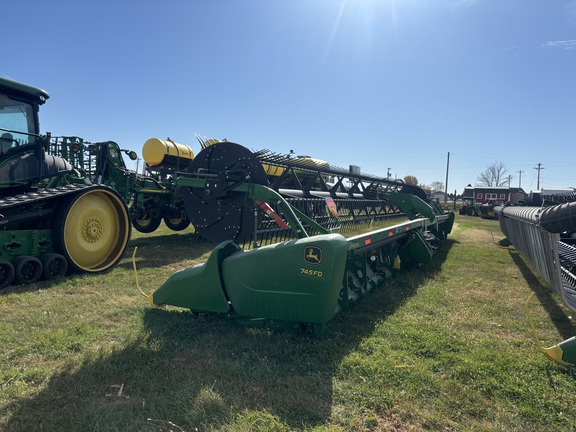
(157, 251)
(545, 295)
(23, 288)
(151, 253)
(202, 371)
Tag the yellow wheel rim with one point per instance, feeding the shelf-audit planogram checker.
(96, 230)
(178, 219)
(144, 222)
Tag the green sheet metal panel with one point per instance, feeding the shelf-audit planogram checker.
(415, 250)
(297, 281)
(198, 288)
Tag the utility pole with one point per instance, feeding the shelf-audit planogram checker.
(539, 168)
(509, 180)
(389, 174)
(520, 178)
(446, 185)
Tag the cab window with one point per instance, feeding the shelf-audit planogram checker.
(16, 123)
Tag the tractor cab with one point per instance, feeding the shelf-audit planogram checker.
(23, 151)
(19, 105)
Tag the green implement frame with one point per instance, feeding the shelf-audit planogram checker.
(300, 284)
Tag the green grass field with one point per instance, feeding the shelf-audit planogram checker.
(446, 347)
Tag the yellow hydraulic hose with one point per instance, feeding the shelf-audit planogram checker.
(148, 296)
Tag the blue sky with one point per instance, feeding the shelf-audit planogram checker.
(383, 84)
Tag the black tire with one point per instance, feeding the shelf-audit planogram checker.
(6, 273)
(177, 223)
(146, 224)
(55, 265)
(27, 269)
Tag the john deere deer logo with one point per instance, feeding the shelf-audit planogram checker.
(313, 255)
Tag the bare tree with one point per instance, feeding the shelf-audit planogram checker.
(495, 174)
(410, 179)
(427, 189)
(437, 186)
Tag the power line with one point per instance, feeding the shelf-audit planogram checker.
(446, 186)
(539, 168)
(520, 178)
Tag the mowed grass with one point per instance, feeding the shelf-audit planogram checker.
(443, 347)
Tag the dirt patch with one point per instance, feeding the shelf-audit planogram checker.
(481, 236)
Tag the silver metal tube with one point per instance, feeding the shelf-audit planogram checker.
(554, 219)
(535, 233)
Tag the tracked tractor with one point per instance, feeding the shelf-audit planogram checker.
(53, 219)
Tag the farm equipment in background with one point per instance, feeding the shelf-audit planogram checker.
(151, 198)
(550, 196)
(487, 209)
(469, 207)
(52, 218)
(546, 236)
(301, 283)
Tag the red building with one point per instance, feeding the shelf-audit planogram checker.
(487, 193)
